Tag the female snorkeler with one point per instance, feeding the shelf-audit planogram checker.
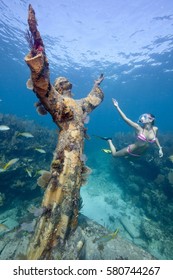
(146, 133)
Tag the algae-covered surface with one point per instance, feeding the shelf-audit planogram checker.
(126, 204)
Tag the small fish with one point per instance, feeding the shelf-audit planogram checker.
(3, 227)
(152, 158)
(29, 159)
(147, 219)
(25, 134)
(108, 236)
(28, 172)
(171, 158)
(10, 163)
(4, 127)
(41, 172)
(40, 150)
(2, 170)
(113, 235)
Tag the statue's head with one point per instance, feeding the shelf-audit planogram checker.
(63, 86)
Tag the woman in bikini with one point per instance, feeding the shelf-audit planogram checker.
(146, 133)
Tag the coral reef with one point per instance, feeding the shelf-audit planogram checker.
(147, 183)
(20, 178)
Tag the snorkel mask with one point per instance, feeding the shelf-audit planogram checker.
(146, 118)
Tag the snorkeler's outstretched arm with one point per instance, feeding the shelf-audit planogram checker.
(127, 120)
(95, 97)
(158, 144)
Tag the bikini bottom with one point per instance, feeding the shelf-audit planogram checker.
(130, 152)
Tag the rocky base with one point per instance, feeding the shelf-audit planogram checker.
(90, 241)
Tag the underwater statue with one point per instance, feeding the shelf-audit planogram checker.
(68, 171)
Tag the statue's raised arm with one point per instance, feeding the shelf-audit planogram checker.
(38, 63)
(94, 97)
(36, 59)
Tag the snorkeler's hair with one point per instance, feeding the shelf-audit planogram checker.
(152, 117)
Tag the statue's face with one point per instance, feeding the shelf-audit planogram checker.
(62, 84)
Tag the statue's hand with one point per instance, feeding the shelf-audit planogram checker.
(99, 80)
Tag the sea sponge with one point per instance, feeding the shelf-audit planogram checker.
(86, 171)
(40, 108)
(36, 63)
(44, 179)
(29, 84)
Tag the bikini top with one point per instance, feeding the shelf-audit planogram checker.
(142, 137)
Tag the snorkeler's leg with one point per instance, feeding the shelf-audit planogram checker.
(115, 153)
(121, 153)
(112, 147)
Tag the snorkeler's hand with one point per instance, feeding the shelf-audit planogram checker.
(115, 102)
(99, 80)
(160, 152)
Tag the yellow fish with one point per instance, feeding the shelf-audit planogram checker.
(3, 227)
(4, 127)
(2, 170)
(28, 171)
(108, 236)
(10, 163)
(40, 172)
(112, 235)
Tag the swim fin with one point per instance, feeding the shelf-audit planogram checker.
(106, 151)
(103, 138)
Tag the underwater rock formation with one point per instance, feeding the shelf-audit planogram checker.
(62, 195)
(89, 242)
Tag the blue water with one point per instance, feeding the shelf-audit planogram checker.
(131, 42)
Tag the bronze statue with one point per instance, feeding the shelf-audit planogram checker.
(68, 170)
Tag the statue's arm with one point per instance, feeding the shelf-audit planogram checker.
(94, 98)
(36, 59)
(39, 67)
